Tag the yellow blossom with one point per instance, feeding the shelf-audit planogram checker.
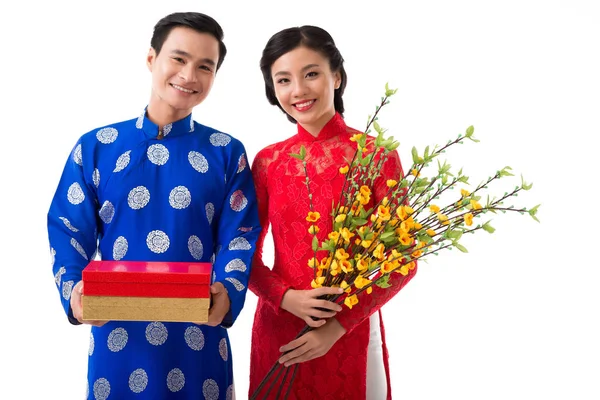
(344, 285)
(333, 236)
(468, 219)
(386, 267)
(430, 232)
(312, 263)
(356, 137)
(385, 201)
(360, 282)
(379, 251)
(346, 266)
(366, 243)
(434, 208)
(362, 265)
(383, 213)
(313, 229)
(464, 193)
(414, 172)
(365, 191)
(418, 226)
(335, 268)
(369, 290)
(341, 254)
(346, 234)
(475, 205)
(405, 239)
(351, 301)
(325, 262)
(391, 183)
(403, 270)
(408, 209)
(344, 170)
(401, 213)
(317, 283)
(340, 218)
(313, 216)
(443, 219)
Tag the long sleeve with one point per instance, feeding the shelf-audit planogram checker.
(238, 230)
(265, 283)
(72, 228)
(370, 303)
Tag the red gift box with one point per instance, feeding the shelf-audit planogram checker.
(146, 291)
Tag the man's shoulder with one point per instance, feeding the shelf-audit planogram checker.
(217, 137)
(110, 132)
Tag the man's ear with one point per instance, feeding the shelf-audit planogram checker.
(150, 59)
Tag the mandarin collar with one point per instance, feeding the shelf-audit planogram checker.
(176, 128)
(333, 127)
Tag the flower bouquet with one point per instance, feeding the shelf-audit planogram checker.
(420, 215)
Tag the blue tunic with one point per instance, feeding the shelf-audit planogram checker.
(128, 193)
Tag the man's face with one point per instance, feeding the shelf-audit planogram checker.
(184, 70)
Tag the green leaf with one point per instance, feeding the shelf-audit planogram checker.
(359, 221)
(454, 234)
(460, 247)
(488, 228)
(386, 235)
(524, 185)
(383, 282)
(298, 156)
(315, 243)
(470, 131)
(415, 155)
(533, 212)
(302, 152)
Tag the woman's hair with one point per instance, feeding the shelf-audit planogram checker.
(312, 37)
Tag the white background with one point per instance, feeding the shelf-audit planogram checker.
(516, 317)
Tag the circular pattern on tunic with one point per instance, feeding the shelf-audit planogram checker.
(138, 197)
(101, 389)
(167, 129)
(75, 194)
(195, 247)
(117, 339)
(229, 393)
(67, 289)
(239, 243)
(120, 248)
(59, 275)
(77, 155)
(210, 212)
(107, 135)
(210, 389)
(223, 349)
(122, 161)
(239, 286)
(92, 345)
(68, 224)
(238, 201)
(138, 380)
(96, 177)
(107, 212)
(158, 241)
(158, 154)
(139, 123)
(78, 247)
(235, 265)
(219, 139)
(242, 163)
(180, 198)
(194, 338)
(52, 254)
(175, 380)
(198, 161)
(156, 333)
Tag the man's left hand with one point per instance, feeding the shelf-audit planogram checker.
(220, 304)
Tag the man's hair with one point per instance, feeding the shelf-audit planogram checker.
(199, 22)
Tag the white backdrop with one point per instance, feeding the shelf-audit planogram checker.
(515, 318)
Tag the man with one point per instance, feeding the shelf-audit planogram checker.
(160, 187)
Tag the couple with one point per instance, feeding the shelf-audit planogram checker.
(162, 187)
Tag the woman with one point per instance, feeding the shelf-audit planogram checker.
(345, 356)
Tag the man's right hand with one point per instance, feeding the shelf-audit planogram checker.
(306, 304)
(77, 307)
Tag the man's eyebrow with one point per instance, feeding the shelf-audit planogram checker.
(188, 55)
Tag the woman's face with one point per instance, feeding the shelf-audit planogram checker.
(304, 86)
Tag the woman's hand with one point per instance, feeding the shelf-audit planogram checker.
(305, 304)
(313, 344)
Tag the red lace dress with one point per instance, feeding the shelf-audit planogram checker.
(283, 204)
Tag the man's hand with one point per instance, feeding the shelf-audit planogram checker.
(305, 304)
(220, 304)
(313, 344)
(77, 307)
